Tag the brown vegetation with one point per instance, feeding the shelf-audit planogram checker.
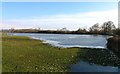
(114, 44)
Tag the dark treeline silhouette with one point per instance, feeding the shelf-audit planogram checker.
(107, 28)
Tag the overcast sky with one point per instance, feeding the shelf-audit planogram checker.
(56, 15)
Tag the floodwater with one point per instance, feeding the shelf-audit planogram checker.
(69, 40)
(102, 60)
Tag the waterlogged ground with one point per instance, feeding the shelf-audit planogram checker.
(22, 54)
(97, 61)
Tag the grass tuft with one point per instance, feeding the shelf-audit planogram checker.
(22, 54)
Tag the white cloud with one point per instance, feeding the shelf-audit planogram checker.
(70, 21)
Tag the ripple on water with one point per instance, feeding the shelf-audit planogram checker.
(87, 67)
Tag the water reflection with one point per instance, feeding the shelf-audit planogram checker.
(96, 61)
(87, 67)
(69, 40)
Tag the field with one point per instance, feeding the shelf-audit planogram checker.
(0, 52)
(22, 54)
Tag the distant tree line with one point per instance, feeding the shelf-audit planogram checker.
(107, 28)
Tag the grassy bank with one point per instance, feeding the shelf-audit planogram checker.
(22, 54)
(0, 52)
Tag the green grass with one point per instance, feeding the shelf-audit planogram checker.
(0, 52)
(22, 54)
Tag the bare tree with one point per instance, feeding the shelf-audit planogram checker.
(108, 27)
(80, 30)
(95, 28)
